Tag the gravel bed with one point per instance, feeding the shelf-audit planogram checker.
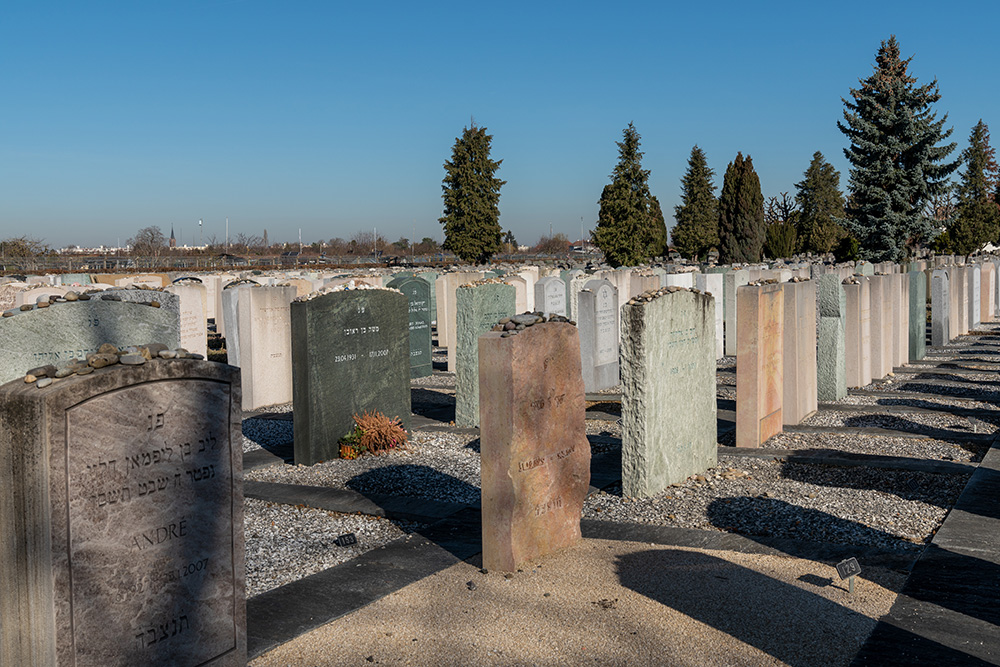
(722, 391)
(440, 380)
(942, 404)
(916, 422)
(285, 543)
(882, 445)
(264, 433)
(859, 506)
(617, 389)
(434, 466)
(957, 391)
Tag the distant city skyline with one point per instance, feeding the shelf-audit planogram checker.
(337, 118)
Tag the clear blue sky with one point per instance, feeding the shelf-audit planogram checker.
(334, 117)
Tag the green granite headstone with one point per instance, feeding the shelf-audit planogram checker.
(831, 332)
(478, 307)
(417, 291)
(350, 353)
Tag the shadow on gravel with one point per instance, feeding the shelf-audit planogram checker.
(794, 626)
(414, 481)
(961, 435)
(950, 391)
(939, 407)
(769, 517)
(432, 404)
(921, 487)
(439, 365)
(949, 377)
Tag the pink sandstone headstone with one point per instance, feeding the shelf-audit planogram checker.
(759, 342)
(534, 449)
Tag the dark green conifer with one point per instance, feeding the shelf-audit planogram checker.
(697, 216)
(897, 164)
(977, 221)
(471, 196)
(630, 227)
(742, 229)
(820, 204)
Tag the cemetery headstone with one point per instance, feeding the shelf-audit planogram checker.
(598, 325)
(940, 308)
(917, 320)
(479, 306)
(799, 371)
(731, 281)
(831, 361)
(858, 336)
(550, 296)
(759, 365)
(265, 345)
(417, 292)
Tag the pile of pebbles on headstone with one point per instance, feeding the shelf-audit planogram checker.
(240, 282)
(187, 280)
(649, 295)
(798, 279)
(486, 281)
(344, 287)
(852, 280)
(106, 355)
(71, 296)
(512, 325)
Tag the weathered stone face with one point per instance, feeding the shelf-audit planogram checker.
(479, 308)
(418, 295)
(349, 354)
(831, 361)
(759, 366)
(799, 352)
(598, 324)
(535, 454)
(668, 400)
(65, 331)
(126, 544)
(882, 325)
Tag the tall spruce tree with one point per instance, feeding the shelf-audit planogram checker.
(471, 194)
(697, 216)
(897, 162)
(742, 230)
(978, 219)
(630, 226)
(820, 204)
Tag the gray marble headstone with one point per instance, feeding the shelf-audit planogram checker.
(121, 493)
(350, 353)
(598, 325)
(918, 315)
(550, 296)
(418, 291)
(940, 308)
(72, 330)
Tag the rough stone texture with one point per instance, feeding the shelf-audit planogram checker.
(32, 293)
(759, 365)
(567, 278)
(479, 308)
(799, 352)
(534, 450)
(418, 295)
(349, 355)
(731, 282)
(122, 506)
(598, 323)
(71, 330)
(577, 283)
(668, 400)
(941, 300)
(711, 283)
(193, 316)
(451, 282)
(265, 345)
(858, 334)
(917, 321)
(831, 349)
(550, 296)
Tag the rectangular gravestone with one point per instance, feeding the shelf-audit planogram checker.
(799, 352)
(940, 308)
(479, 306)
(881, 325)
(831, 361)
(858, 337)
(349, 355)
(417, 291)
(598, 324)
(901, 319)
(550, 296)
(668, 390)
(974, 299)
(759, 366)
(122, 506)
(534, 450)
(960, 291)
(265, 345)
(193, 314)
(711, 283)
(451, 282)
(917, 322)
(72, 330)
(987, 292)
(731, 282)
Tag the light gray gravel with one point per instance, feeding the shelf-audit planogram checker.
(754, 497)
(260, 433)
(285, 543)
(914, 422)
(931, 403)
(879, 445)
(435, 466)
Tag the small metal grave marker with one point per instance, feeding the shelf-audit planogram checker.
(349, 539)
(848, 569)
(912, 484)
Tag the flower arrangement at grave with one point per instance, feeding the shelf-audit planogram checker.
(373, 433)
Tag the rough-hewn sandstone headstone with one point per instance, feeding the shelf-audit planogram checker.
(799, 352)
(831, 361)
(759, 366)
(668, 390)
(122, 511)
(418, 295)
(598, 324)
(534, 449)
(349, 354)
(479, 307)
